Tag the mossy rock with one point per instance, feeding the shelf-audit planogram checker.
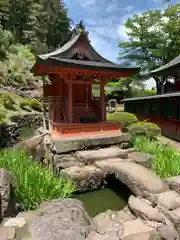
(148, 129)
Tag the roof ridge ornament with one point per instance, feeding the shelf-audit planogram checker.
(80, 27)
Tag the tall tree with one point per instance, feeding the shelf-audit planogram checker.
(153, 39)
(42, 24)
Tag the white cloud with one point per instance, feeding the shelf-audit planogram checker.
(111, 7)
(122, 32)
(106, 49)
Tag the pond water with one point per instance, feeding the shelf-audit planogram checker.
(114, 197)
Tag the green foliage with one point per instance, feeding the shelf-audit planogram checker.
(3, 117)
(147, 129)
(142, 92)
(41, 24)
(33, 184)
(123, 118)
(25, 104)
(9, 102)
(17, 60)
(126, 85)
(36, 105)
(154, 38)
(166, 162)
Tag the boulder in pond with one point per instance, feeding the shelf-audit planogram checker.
(61, 219)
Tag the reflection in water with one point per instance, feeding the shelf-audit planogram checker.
(114, 197)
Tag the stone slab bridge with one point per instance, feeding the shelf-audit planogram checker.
(154, 207)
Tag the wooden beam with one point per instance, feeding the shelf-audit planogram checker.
(102, 102)
(70, 96)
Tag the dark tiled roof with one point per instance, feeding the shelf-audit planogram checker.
(89, 64)
(174, 63)
(176, 94)
(63, 56)
(62, 49)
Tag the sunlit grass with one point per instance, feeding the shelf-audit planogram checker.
(167, 159)
(33, 183)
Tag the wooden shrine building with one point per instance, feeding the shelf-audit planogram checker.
(161, 109)
(72, 69)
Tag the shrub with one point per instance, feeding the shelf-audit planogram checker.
(33, 184)
(148, 129)
(123, 118)
(9, 102)
(166, 162)
(25, 104)
(36, 105)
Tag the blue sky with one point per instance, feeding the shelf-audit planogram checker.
(104, 20)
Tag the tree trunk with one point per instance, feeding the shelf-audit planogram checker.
(160, 84)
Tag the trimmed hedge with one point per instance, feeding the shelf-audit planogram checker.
(123, 118)
(147, 129)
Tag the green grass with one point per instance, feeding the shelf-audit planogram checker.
(167, 159)
(33, 184)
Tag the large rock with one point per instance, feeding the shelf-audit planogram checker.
(169, 200)
(61, 219)
(117, 216)
(142, 236)
(167, 233)
(174, 183)
(86, 177)
(7, 233)
(144, 159)
(174, 217)
(140, 180)
(136, 227)
(37, 145)
(90, 156)
(65, 161)
(141, 208)
(6, 194)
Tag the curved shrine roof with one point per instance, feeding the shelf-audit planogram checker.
(79, 53)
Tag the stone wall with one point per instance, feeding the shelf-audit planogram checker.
(10, 134)
(26, 120)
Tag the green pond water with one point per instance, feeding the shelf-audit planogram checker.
(114, 197)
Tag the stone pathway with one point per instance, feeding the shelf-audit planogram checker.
(152, 212)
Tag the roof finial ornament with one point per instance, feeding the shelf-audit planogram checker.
(80, 28)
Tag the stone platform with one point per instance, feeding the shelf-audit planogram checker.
(75, 143)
